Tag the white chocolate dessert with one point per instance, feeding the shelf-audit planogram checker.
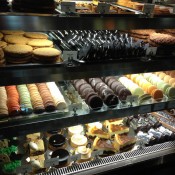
(78, 129)
(85, 153)
(78, 140)
(57, 96)
(36, 147)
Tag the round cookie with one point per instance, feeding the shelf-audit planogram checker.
(1, 36)
(35, 35)
(170, 92)
(16, 39)
(3, 44)
(12, 32)
(157, 94)
(38, 43)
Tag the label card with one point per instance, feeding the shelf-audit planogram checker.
(148, 8)
(171, 104)
(159, 106)
(51, 162)
(97, 153)
(69, 55)
(132, 98)
(144, 109)
(103, 8)
(151, 51)
(68, 7)
(24, 169)
(75, 157)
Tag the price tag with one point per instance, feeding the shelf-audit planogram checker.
(74, 158)
(148, 8)
(103, 8)
(159, 106)
(151, 51)
(144, 109)
(132, 98)
(97, 153)
(69, 55)
(75, 106)
(51, 162)
(24, 169)
(68, 7)
(171, 104)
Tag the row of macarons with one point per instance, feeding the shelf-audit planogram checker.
(24, 99)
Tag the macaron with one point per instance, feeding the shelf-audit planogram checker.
(157, 94)
(170, 92)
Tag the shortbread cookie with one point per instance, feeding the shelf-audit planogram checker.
(3, 44)
(36, 35)
(1, 36)
(12, 32)
(16, 39)
(38, 43)
(142, 32)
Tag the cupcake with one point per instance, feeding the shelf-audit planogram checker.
(57, 141)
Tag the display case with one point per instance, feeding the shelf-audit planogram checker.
(106, 27)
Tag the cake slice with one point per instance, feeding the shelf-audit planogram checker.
(104, 145)
(36, 147)
(96, 132)
(117, 121)
(124, 142)
(34, 136)
(117, 129)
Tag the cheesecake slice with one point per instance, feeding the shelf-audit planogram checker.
(117, 121)
(117, 129)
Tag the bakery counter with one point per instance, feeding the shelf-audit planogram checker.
(38, 23)
(21, 74)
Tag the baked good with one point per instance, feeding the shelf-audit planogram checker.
(18, 53)
(63, 157)
(85, 153)
(24, 97)
(16, 39)
(12, 32)
(78, 129)
(57, 96)
(46, 96)
(46, 55)
(1, 36)
(39, 43)
(13, 101)
(96, 132)
(104, 145)
(94, 124)
(78, 140)
(3, 103)
(36, 100)
(117, 129)
(162, 39)
(36, 147)
(124, 142)
(36, 35)
(117, 121)
(57, 141)
(2, 60)
(3, 44)
(33, 137)
(37, 163)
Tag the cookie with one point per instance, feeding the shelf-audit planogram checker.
(16, 39)
(1, 54)
(146, 32)
(1, 35)
(38, 43)
(3, 44)
(36, 35)
(12, 32)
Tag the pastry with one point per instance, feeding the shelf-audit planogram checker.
(94, 124)
(39, 43)
(35, 35)
(37, 163)
(117, 121)
(13, 101)
(3, 103)
(78, 140)
(57, 141)
(117, 129)
(3, 44)
(124, 142)
(63, 157)
(95, 132)
(46, 97)
(18, 53)
(78, 129)
(25, 102)
(36, 100)
(104, 145)
(16, 39)
(46, 55)
(12, 32)
(85, 153)
(36, 147)
(57, 96)
(33, 137)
